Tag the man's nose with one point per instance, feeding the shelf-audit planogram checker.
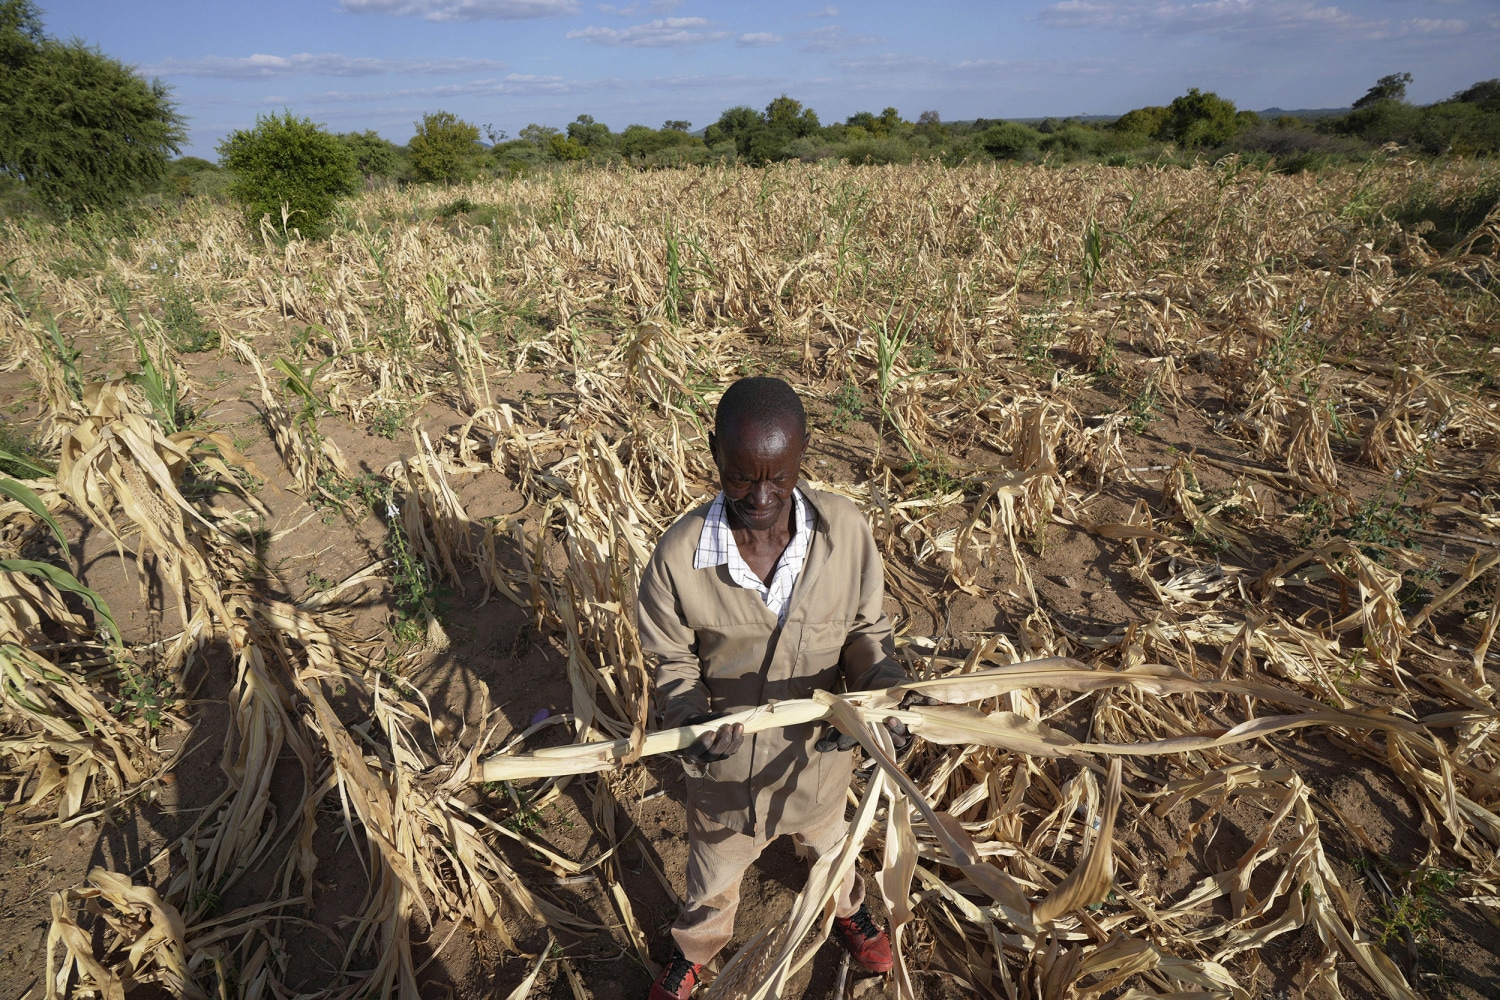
(762, 495)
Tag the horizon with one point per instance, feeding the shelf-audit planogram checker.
(382, 64)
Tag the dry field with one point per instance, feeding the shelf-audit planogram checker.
(297, 536)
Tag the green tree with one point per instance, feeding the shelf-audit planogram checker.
(1485, 93)
(445, 150)
(1149, 122)
(290, 164)
(1008, 140)
(1391, 87)
(591, 135)
(676, 125)
(538, 135)
(1201, 119)
(373, 156)
(786, 116)
(559, 147)
(81, 130)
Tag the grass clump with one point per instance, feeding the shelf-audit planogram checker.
(20, 456)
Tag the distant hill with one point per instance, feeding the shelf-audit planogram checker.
(1303, 112)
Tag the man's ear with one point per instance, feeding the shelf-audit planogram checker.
(713, 447)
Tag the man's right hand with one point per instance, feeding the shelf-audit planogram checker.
(717, 745)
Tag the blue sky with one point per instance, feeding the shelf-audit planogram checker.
(381, 64)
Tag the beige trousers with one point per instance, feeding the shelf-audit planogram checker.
(717, 859)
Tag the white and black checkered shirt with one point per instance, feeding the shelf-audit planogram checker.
(716, 547)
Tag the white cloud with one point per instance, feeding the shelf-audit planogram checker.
(752, 38)
(829, 11)
(464, 10)
(261, 66)
(833, 38)
(886, 62)
(1226, 18)
(1435, 26)
(636, 7)
(664, 32)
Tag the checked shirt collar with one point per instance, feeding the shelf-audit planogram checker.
(716, 547)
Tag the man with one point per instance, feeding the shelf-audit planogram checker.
(770, 592)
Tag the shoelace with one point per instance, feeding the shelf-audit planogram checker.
(862, 923)
(677, 972)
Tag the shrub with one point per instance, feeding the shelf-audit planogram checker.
(83, 129)
(374, 156)
(878, 151)
(445, 149)
(1199, 119)
(1009, 141)
(566, 150)
(1150, 122)
(288, 161)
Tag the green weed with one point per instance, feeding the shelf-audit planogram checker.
(390, 421)
(20, 456)
(183, 323)
(848, 407)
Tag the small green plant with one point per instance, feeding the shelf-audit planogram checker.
(1143, 408)
(20, 456)
(389, 421)
(1093, 254)
(157, 380)
(144, 695)
(182, 322)
(1034, 342)
(848, 407)
(291, 170)
(1414, 912)
(1319, 516)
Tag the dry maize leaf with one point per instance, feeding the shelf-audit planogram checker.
(1090, 882)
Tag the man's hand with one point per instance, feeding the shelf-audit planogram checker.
(717, 745)
(833, 739)
(900, 735)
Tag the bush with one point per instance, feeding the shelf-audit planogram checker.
(374, 156)
(1009, 141)
(1197, 119)
(288, 161)
(82, 129)
(445, 149)
(880, 151)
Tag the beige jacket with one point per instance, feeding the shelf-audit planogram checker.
(719, 649)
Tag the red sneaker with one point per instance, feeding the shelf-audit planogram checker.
(866, 943)
(678, 977)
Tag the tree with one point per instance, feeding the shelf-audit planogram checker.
(373, 155)
(559, 147)
(1150, 121)
(676, 125)
(1485, 93)
(1201, 119)
(538, 135)
(590, 134)
(290, 164)
(787, 117)
(445, 149)
(733, 123)
(1388, 88)
(1008, 140)
(81, 130)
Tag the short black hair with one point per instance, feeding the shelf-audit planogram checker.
(762, 401)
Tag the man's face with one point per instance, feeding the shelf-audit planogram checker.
(758, 467)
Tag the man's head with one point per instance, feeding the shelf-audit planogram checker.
(760, 435)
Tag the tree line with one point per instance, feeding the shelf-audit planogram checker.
(81, 130)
